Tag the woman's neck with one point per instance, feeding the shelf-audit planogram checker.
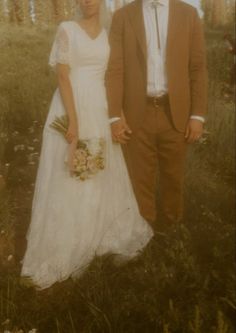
(91, 21)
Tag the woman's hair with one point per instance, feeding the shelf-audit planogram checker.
(105, 15)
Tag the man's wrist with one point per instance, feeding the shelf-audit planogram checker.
(200, 118)
(114, 119)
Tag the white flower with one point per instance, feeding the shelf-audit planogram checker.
(80, 168)
(81, 163)
(80, 153)
(33, 331)
(10, 258)
(92, 165)
(94, 147)
(19, 147)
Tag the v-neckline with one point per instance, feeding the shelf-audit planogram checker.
(85, 32)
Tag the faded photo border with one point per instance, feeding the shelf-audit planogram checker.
(178, 284)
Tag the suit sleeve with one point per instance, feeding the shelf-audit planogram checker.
(115, 71)
(197, 69)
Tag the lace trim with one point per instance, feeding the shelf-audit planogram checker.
(60, 49)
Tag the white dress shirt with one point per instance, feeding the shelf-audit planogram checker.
(157, 82)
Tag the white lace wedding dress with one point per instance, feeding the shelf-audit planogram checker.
(73, 220)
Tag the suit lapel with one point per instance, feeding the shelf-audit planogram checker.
(173, 25)
(137, 21)
(135, 12)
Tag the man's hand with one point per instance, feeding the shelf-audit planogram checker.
(194, 130)
(120, 131)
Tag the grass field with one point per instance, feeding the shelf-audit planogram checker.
(182, 283)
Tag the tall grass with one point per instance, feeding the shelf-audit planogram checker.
(183, 282)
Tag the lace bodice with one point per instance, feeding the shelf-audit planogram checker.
(74, 47)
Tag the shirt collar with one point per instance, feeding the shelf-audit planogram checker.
(162, 2)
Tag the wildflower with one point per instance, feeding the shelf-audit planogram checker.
(10, 258)
(19, 147)
(6, 322)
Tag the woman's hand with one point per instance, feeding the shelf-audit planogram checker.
(72, 132)
(120, 130)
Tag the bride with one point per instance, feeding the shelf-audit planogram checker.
(74, 218)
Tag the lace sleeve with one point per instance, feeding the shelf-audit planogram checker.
(60, 48)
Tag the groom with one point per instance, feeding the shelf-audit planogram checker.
(156, 89)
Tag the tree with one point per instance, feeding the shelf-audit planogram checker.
(43, 11)
(63, 9)
(3, 13)
(218, 13)
(56, 10)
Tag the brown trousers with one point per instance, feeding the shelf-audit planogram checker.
(157, 144)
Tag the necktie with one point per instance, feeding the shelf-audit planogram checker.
(155, 4)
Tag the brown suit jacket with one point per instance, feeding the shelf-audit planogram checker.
(126, 77)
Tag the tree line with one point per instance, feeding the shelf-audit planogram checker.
(217, 13)
(36, 11)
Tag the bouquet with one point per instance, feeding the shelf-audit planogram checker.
(86, 157)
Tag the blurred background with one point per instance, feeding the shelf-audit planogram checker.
(217, 12)
(179, 284)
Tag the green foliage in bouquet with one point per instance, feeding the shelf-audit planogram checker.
(60, 124)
